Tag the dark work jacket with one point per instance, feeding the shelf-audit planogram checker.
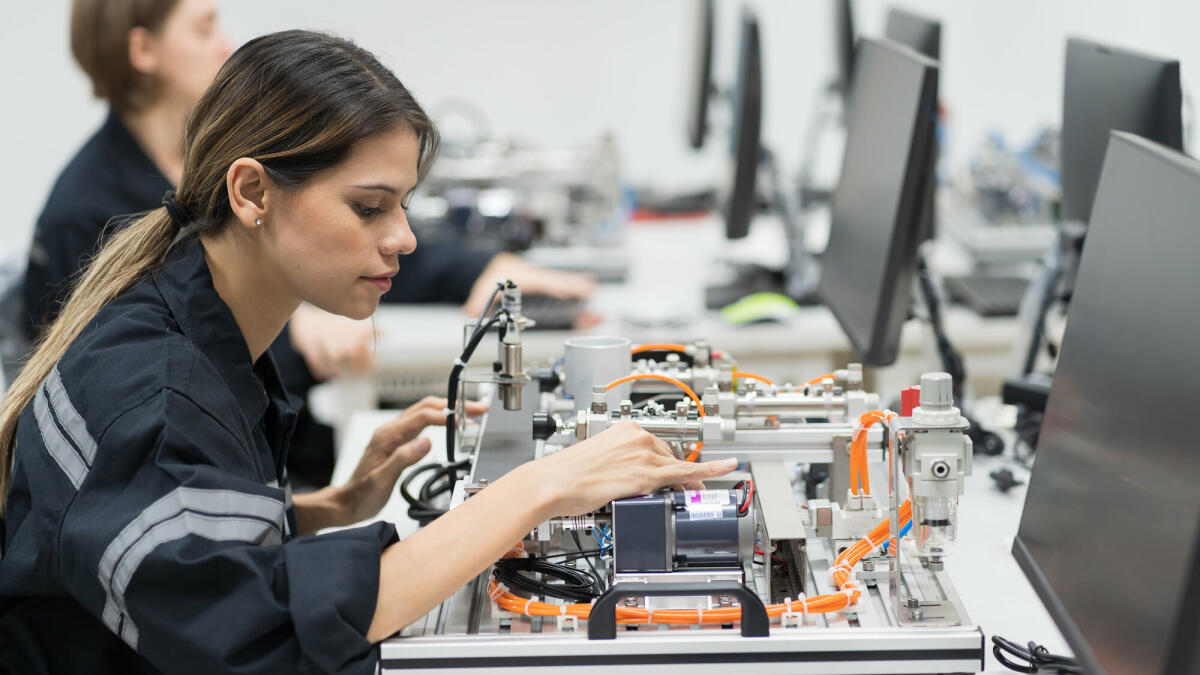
(150, 525)
(109, 178)
(112, 178)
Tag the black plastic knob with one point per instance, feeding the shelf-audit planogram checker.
(546, 378)
(544, 426)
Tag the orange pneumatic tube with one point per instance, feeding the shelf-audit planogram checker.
(694, 454)
(830, 602)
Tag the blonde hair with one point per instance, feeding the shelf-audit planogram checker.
(296, 101)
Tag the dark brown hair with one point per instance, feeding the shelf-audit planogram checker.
(297, 102)
(100, 44)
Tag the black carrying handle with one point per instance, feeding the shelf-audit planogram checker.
(602, 621)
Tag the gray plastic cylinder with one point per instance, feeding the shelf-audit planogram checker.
(595, 360)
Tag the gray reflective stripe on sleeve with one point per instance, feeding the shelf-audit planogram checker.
(218, 515)
(288, 505)
(61, 450)
(70, 419)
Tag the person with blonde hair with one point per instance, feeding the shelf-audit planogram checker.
(148, 520)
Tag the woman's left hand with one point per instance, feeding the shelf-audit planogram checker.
(394, 446)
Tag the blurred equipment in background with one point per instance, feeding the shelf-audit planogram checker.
(562, 208)
(741, 200)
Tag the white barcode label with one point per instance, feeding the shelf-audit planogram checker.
(706, 497)
(704, 512)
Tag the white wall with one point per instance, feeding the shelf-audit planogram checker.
(560, 72)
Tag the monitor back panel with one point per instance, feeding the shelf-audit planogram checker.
(867, 268)
(1108, 535)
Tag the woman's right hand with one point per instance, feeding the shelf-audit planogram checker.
(622, 461)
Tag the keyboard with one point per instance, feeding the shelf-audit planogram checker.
(988, 295)
(549, 312)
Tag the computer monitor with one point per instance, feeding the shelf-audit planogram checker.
(745, 141)
(1107, 88)
(702, 56)
(867, 271)
(1110, 534)
(922, 34)
(843, 44)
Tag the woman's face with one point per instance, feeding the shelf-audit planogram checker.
(191, 48)
(336, 241)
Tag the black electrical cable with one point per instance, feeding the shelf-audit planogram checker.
(746, 500)
(576, 586)
(587, 559)
(456, 372)
(576, 555)
(421, 508)
(1033, 658)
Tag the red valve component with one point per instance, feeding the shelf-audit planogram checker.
(910, 398)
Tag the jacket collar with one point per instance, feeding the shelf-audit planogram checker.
(137, 167)
(186, 284)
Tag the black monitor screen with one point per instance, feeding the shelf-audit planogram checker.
(866, 275)
(702, 54)
(1112, 517)
(1106, 89)
(843, 43)
(915, 32)
(747, 124)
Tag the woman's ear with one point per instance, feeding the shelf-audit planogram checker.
(247, 182)
(143, 50)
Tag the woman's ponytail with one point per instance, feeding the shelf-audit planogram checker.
(134, 252)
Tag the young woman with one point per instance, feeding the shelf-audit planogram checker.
(148, 520)
(151, 60)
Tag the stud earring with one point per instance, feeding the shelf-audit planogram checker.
(258, 221)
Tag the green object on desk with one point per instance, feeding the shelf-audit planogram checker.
(760, 308)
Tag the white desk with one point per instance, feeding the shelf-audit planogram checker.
(994, 590)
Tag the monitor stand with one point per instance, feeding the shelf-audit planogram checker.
(986, 442)
(797, 280)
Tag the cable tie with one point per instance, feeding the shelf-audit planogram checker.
(459, 362)
(498, 590)
(563, 609)
(528, 602)
(700, 615)
(803, 603)
(447, 411)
